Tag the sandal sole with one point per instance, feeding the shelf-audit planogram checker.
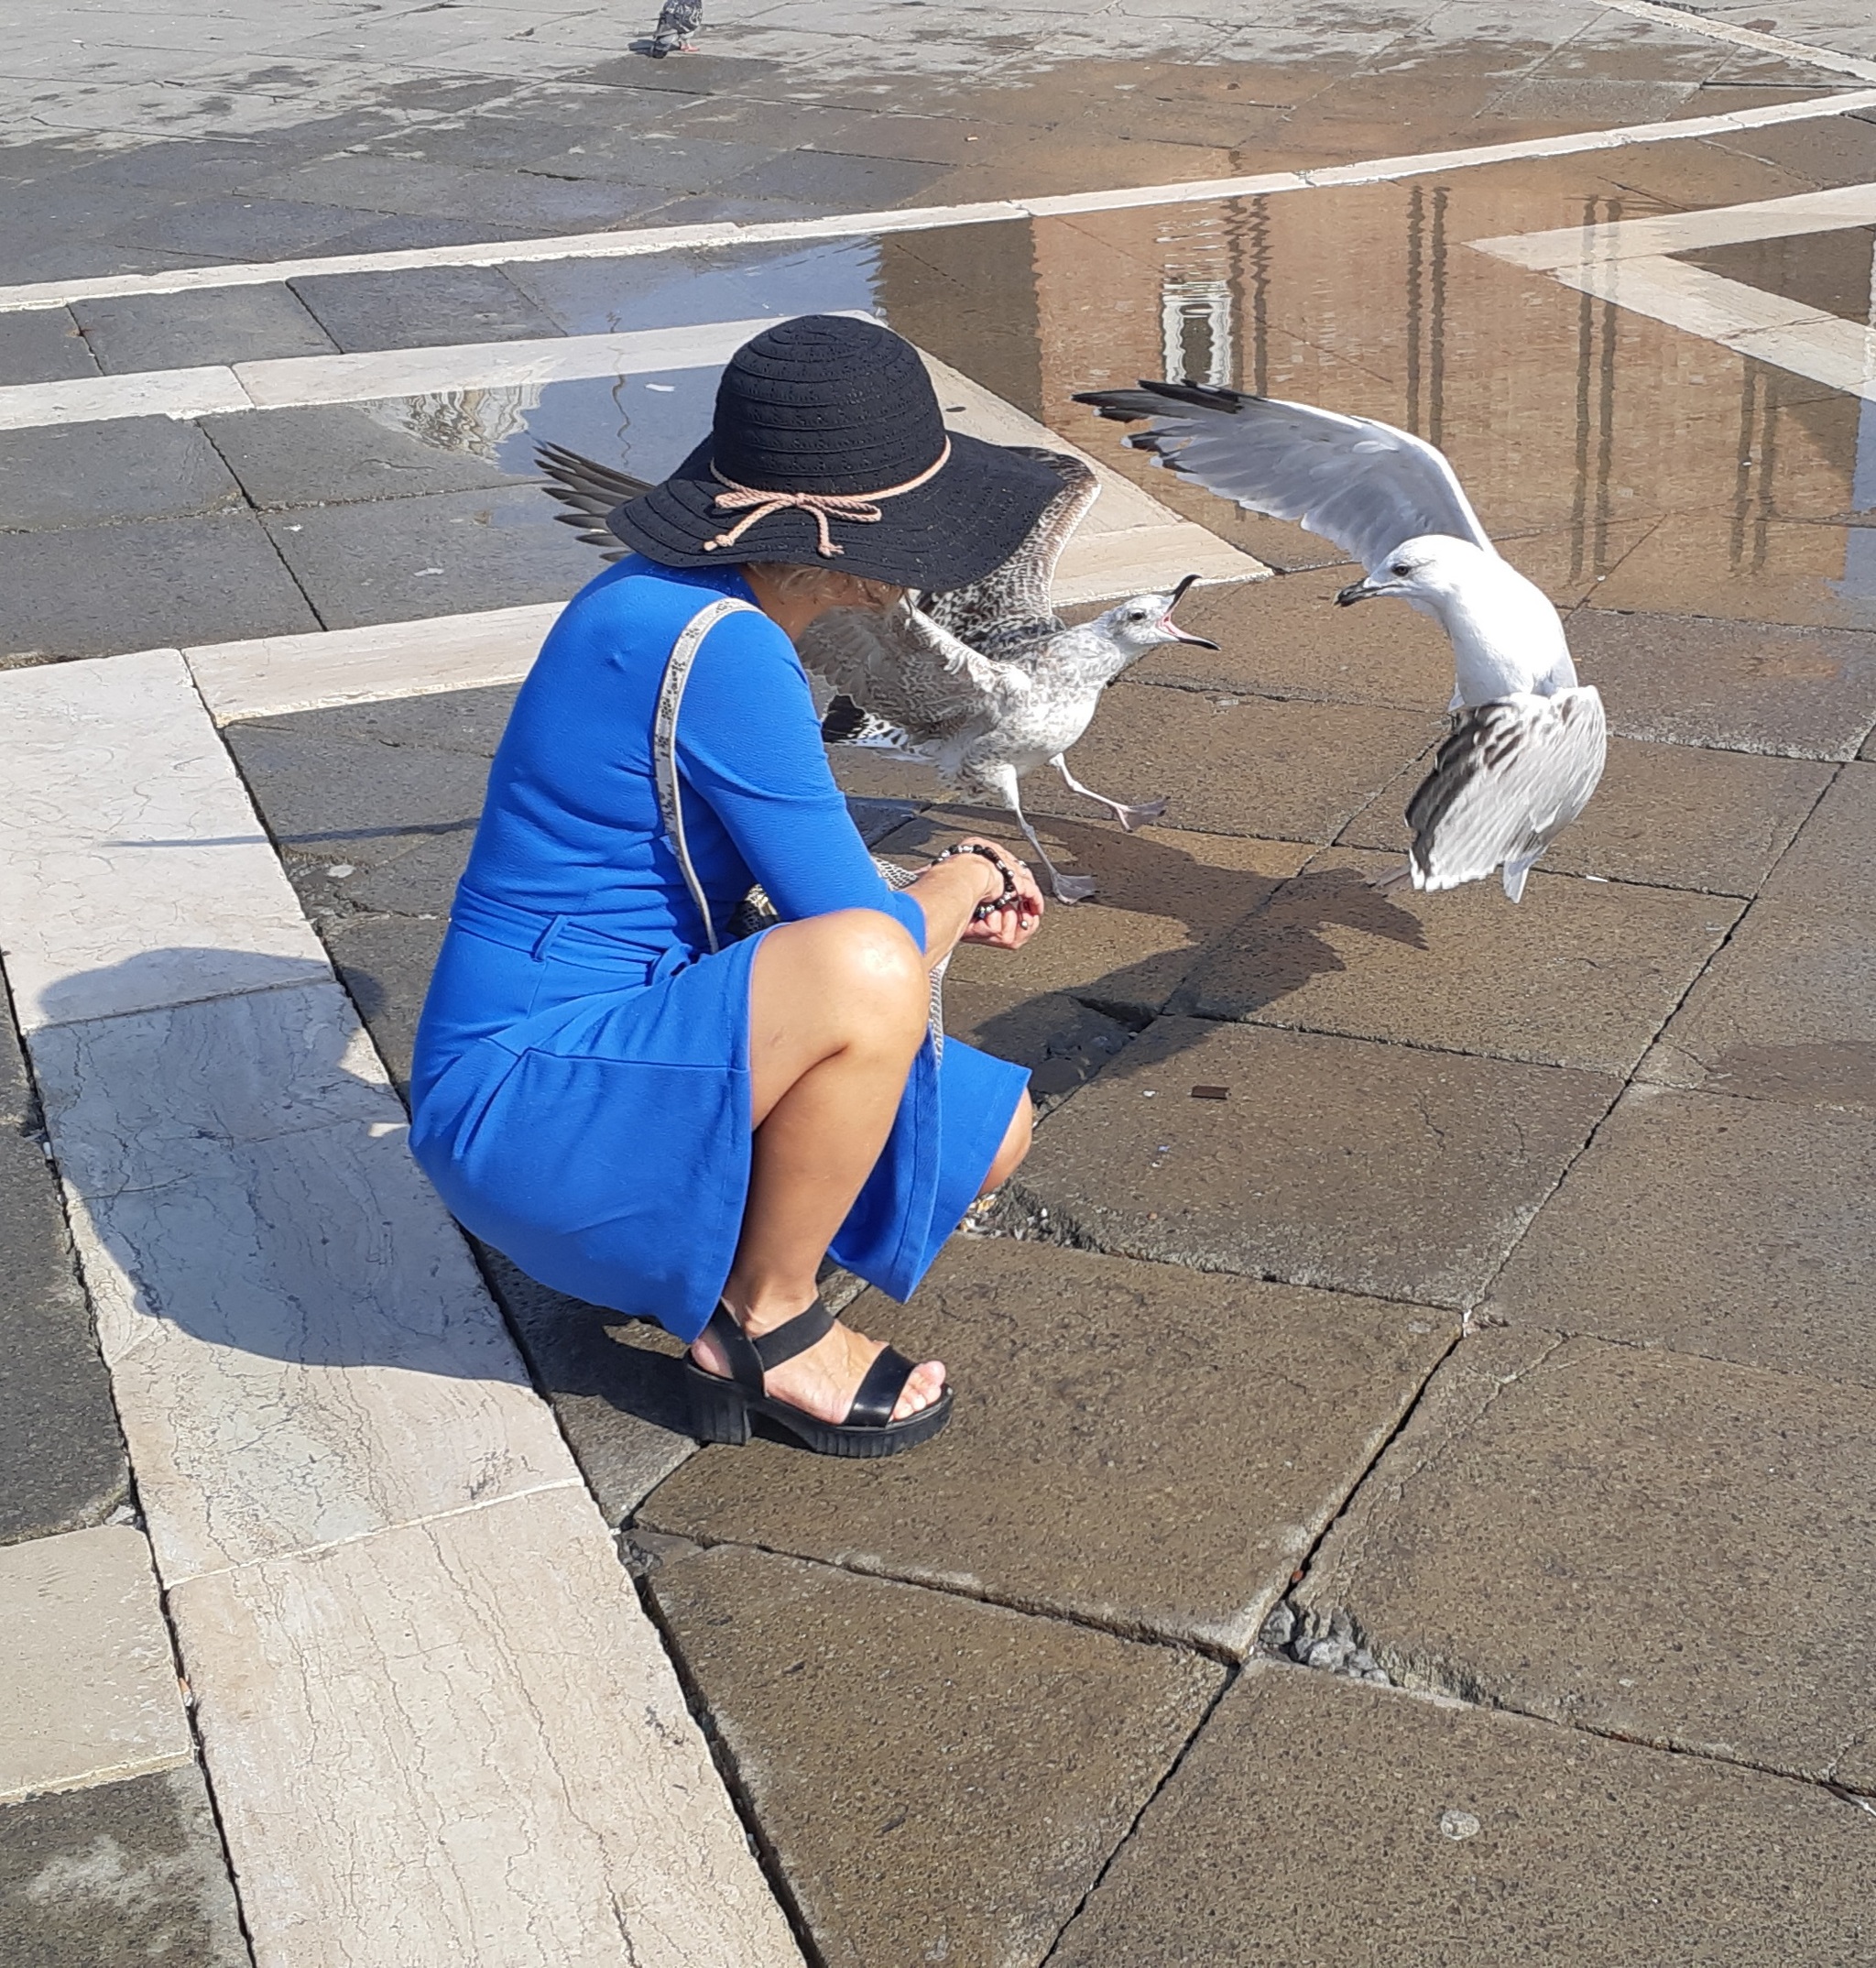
(720, 1413)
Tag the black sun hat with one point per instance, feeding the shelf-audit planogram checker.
(828, 450)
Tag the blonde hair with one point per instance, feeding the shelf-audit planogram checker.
(826, 583)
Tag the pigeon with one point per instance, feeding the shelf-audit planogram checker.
(678, 21)
(984, 683)
(1528, 741)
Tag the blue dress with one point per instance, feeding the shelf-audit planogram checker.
(579, 1095)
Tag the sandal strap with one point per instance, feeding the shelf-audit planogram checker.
(793, 1336)
(745, 1363)
(880, 1391)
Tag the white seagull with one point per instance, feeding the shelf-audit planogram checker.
(1528, 739)
(982, 683)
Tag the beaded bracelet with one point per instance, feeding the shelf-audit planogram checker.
(1010, 891)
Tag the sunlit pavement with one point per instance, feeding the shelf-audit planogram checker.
(1414, 1509)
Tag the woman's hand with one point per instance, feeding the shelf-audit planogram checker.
(1010, 927)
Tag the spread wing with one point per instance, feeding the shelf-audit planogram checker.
(1365, 486)
(1013, 605)
(910, 673)
(1503, 786)
(587, 491)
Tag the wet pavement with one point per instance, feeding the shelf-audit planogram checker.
(1415, 1506)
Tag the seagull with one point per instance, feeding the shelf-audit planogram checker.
(1528, 739)
(678, 21)
(984, 683)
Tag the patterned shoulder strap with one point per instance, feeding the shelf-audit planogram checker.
(664, 742)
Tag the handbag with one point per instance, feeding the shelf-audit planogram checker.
(755, 912)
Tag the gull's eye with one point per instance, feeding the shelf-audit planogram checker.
(1136, 615)
(1402, 568)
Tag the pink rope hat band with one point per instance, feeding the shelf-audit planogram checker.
(755, 503)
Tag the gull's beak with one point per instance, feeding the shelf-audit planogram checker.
(1170, 627)
(1364, 589)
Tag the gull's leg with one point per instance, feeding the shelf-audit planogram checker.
(1066, 887)
(1130, 817)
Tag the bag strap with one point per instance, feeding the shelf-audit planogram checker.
(664, 742)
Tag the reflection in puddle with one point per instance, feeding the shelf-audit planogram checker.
(1621, 458)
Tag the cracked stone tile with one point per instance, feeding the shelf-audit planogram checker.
(1325, 1824)
(117, 1874)
(1676, 817)
(302, 1348)
(1578, 974)
(940, 1781)
(460, 1741)
(1180, 1441)
(129, 332)
(1737, 1229)
(422, 306)
(1749, 686)
(43, 345)
(1670, 1549)
(336, 454)
(135, 874)
(1332, 1162)
(93, 1693)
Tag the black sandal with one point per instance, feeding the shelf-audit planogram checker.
(721, 1406)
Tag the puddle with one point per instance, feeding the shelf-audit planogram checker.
(1622, 460)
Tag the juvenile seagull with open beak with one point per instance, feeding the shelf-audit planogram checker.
(1528, 741)
(982, 683)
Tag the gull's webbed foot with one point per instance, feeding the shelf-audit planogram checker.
(1141, 814)
(1071, 887)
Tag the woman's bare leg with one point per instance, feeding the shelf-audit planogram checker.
(837, 1012)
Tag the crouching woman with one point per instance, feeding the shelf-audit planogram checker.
(637, 1110)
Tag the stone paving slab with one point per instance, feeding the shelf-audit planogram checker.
(440, 304)
(61, 1457)
(1793, 577)
(1138, 1445)
(1783, 1014)
(1578, 974)
(43, 346)
(1755, 686)
(90, 473)
(92, 1689)
(397, 559)
(1670, 1549)
(137, 874)
(482, 1729)
(334, 453)
(940, 1781)
(118, 1876)
(94, 590)
(1317, 1823)
(1669, 815)
(1737, 1229)
(1332, 1162)
(302, 1348)
(181, 330)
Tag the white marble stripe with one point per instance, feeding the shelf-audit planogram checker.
(627, 243)
(1684, 232)
(136, 872)
(1683, 20)
(296, 382)
(1785, 334)
(438, 1726)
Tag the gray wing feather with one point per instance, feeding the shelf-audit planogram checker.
(1014, 604)
(1505, 784)
(1361, 484)
(910, 673)
(588, 492)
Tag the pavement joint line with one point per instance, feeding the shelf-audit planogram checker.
(630, 242)
(1687, 21)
